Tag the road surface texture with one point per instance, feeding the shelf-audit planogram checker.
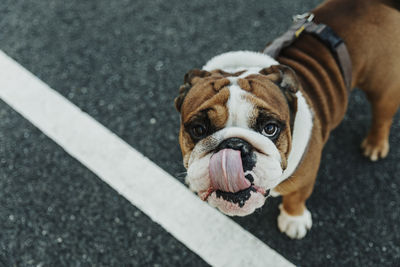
(122, 62)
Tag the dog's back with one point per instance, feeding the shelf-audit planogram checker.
(371, 30)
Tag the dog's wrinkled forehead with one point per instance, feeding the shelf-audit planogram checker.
(205, 92)
(218, 91)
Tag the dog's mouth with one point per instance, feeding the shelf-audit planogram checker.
(228, 179)
(239, 197)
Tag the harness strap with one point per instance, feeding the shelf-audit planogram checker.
(304, 23)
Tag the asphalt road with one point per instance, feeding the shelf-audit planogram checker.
(122, 62)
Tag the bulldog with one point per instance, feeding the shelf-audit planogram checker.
(254, 126)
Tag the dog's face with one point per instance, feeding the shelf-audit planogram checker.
(236, 133)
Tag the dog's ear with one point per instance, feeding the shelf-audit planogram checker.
(284, 77)
(191, 77)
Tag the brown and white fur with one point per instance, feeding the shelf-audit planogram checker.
(305, 94)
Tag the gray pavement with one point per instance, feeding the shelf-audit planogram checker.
(55, 212)
(122, 62)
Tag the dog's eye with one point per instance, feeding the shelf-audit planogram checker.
(271, 130)
(198, 131)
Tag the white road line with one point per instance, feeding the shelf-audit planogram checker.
(208, 233)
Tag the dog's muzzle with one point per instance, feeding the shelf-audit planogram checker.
(228, 165)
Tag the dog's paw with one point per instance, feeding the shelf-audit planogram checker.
(373, 150)
(294, 227)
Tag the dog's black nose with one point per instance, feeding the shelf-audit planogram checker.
(246, 151)
(235, 143)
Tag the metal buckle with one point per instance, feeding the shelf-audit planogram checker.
(307, 16)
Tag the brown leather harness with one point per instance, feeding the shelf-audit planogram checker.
(324, 33)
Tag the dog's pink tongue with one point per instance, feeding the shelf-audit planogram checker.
(226, 171)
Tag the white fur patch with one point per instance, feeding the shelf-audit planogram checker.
(302, 130)
(233, 209)
(265, 167)
(274, 193)
(240, 60)
(294, 227)
(198, 176)
(239, 108)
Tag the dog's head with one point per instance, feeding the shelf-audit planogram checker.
(236, 133)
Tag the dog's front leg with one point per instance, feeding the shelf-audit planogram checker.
(294, 218)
